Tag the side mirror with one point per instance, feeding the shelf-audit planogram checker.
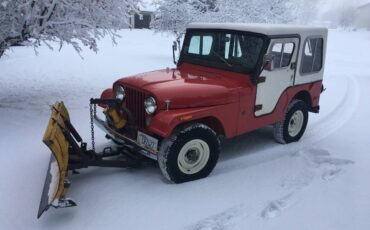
(268, 62)
(174, 49)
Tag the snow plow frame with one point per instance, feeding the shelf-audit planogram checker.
(69, 153)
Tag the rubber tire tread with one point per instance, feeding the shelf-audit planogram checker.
(170, 148)
(281, 134)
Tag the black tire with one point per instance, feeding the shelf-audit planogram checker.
(281, 129)
(173, 148)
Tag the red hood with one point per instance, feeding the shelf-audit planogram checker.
(189, 86)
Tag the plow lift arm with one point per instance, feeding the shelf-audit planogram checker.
(69, 153)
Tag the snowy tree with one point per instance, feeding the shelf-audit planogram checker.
(205, 5)
(64, 21)
(255, 11)
(346, 15)
(343, 15)
(306, 11)
(174, 15)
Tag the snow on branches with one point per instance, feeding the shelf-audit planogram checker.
(64, 21)
(255, 11)
(174, 15)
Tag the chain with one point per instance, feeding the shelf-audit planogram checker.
(92, 115)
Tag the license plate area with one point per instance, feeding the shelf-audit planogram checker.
(147, 141)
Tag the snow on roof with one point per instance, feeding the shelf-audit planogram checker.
(268, 29)
(147, 5)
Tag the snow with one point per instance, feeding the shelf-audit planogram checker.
(147, 5)
(4, 3)
(318, 183)
(54, 183)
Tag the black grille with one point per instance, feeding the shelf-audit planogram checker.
(134, 102)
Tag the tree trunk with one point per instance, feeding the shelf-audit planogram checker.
(10, 41)
(2, 48)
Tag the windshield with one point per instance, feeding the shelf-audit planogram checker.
(231, 50)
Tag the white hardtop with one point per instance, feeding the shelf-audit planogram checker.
(267, 29)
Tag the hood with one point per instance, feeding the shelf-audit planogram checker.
(186, 87)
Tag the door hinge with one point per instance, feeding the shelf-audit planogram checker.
(257, 108)
(261, 80)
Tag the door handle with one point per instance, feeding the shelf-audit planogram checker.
(293, 66)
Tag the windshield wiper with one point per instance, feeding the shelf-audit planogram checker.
(222, 59)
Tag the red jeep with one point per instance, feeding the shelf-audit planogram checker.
(230, 79)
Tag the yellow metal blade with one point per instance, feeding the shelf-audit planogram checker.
(54, 187)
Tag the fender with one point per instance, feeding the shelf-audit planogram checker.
(164, 122)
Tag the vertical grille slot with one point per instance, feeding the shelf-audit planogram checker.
(135, 103)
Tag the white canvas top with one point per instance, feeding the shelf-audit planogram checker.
(267, 29)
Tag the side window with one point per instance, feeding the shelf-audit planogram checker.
(312, 55)
(282, 54)
(232, 47)
(237, 52)
(200, 45)
(241, 50)
(287, 54)
(277, 50)
(227, 41)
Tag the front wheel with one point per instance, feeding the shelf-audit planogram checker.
(292, 128)
(189, 154)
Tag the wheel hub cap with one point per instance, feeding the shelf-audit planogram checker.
(193, 156)
(295, 123)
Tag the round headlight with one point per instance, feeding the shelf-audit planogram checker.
(150, 105)
(120, 93)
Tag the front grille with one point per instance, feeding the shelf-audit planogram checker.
(134, 102)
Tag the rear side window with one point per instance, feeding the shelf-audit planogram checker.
(312, 55)
(282, 54)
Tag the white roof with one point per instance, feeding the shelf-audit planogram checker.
(267, 29)
(147, 5)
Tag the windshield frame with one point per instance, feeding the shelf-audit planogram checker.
(220, 64)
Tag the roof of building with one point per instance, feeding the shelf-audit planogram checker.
(267, 29)
(147, 6)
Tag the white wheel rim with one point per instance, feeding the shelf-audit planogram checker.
(193, 156)
(295, 123)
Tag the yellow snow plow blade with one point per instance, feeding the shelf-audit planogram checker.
(69, 153)
(56, 184)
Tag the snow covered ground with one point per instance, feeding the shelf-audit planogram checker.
(319, 183)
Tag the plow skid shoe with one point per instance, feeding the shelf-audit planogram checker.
(56, 184)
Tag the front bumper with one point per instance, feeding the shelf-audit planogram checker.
(124, 139)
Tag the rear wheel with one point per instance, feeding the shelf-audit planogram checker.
(189, 154)
(292, 128)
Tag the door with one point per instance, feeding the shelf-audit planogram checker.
(273, 83)
(142, 21)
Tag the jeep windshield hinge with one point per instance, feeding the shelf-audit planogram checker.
(261, 79)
